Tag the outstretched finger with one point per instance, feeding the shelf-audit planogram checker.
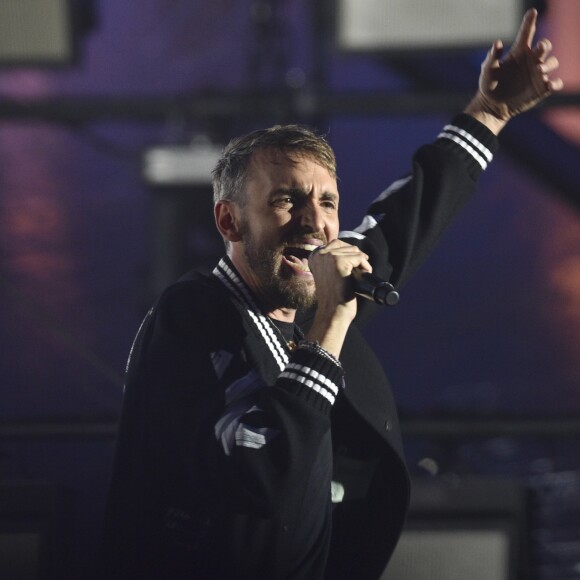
(493, 56)
(496, 53)
(527, 29)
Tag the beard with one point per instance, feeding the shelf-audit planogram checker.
(282, 290)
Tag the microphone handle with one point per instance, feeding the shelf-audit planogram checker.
(374, 288)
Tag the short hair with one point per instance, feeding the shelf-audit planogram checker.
(230, 173)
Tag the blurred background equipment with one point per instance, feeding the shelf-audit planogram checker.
(460, 528)
(29, 529)
(399, 25)
(183, 230)
(42, 32)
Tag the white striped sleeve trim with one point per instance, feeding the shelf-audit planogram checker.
(368, 223)
(226, 427)
(393, 188)
(469, 137)
(254, 437)
(467, 141)
(351, 234)
(482, 162)
(231, 431)
(311, 379)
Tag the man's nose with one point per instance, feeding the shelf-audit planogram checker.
(312, 217)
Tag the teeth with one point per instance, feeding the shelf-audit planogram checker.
(307, 247)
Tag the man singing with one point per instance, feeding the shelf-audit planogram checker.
(255, 447)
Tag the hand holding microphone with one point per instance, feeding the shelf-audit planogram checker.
(341, 271)
(369, 286)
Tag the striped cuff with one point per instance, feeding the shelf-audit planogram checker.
(314, 377)
(471, 140)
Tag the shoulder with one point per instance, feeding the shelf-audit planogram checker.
(199, 307)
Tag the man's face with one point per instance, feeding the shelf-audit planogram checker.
(291, 207)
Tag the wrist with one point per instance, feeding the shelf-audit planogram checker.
(481, 110)
(329, 333)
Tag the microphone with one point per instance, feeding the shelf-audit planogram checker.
(373, 288)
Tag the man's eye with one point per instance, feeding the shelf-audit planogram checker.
(284, 201)
(328, 204)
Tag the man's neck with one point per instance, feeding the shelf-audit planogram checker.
(282, 314)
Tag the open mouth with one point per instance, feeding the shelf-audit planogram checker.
(297, 256)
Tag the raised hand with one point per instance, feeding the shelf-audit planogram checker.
(517, 82)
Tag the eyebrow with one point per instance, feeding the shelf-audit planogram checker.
(302, 192)
(329, 195)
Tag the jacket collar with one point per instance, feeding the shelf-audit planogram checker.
(227, 274)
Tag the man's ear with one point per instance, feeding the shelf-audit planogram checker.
(227, 220)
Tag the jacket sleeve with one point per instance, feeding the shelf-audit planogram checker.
(404, 223)
(256, 442)
(274, 440)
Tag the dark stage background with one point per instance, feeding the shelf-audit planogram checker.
(483, 349)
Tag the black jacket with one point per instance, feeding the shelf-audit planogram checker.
(228, 443)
